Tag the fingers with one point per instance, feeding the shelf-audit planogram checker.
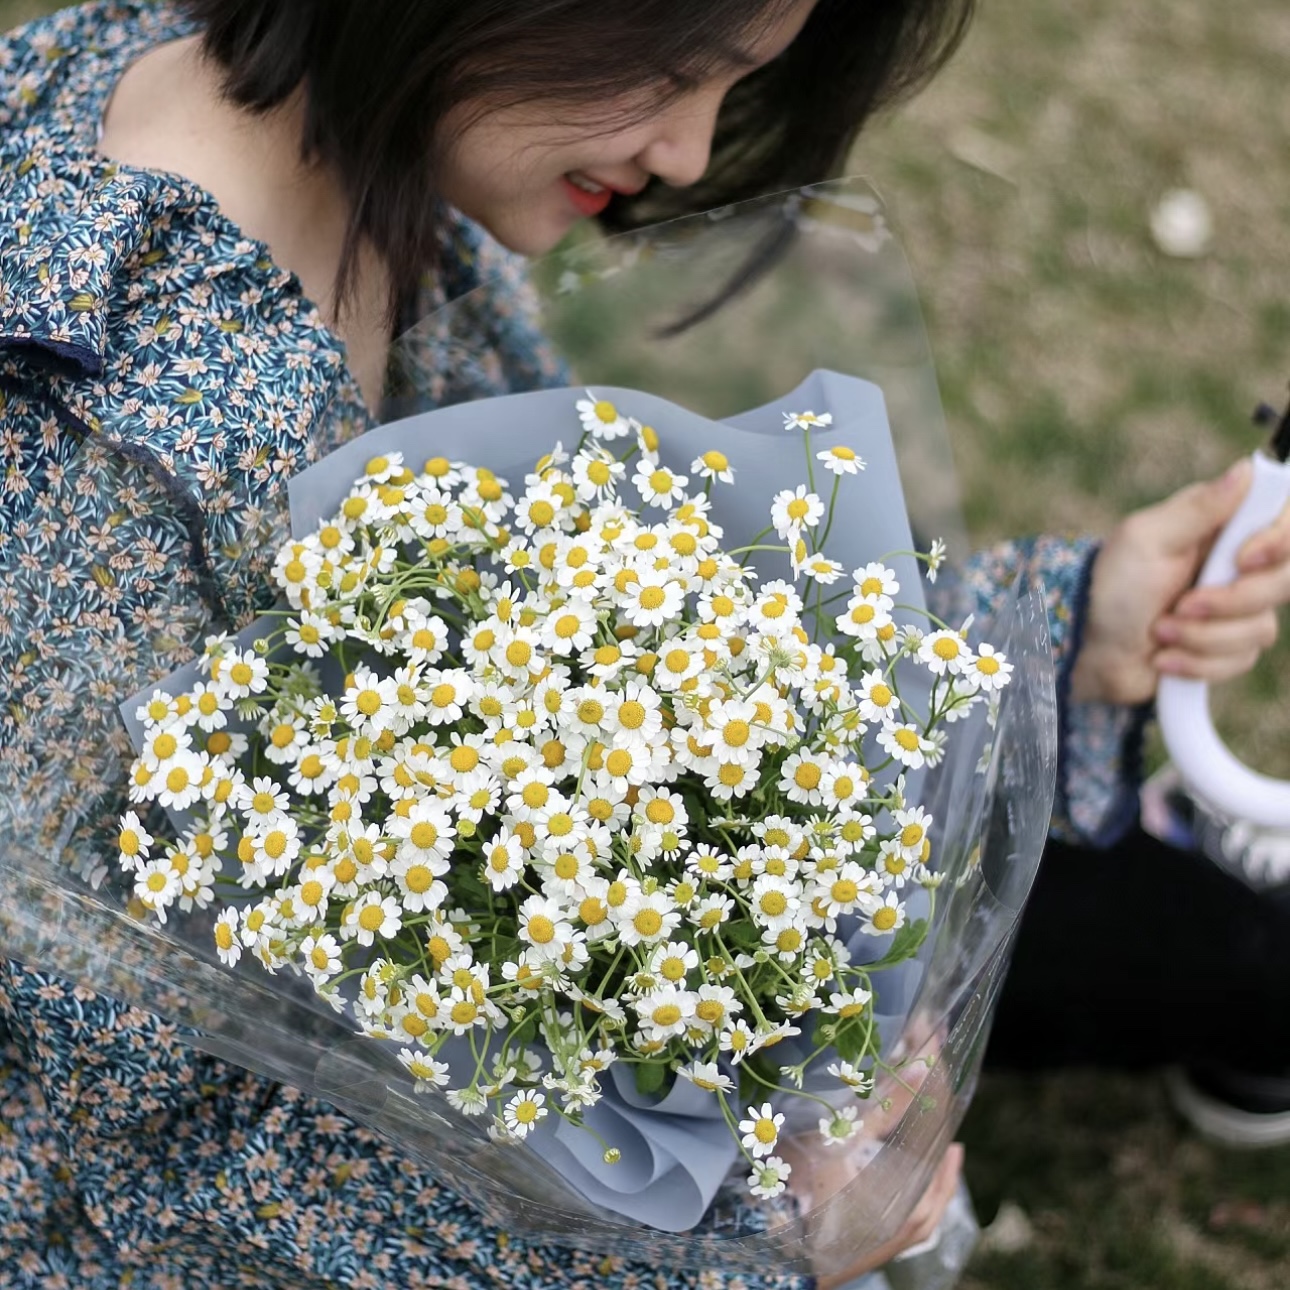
(1217, 639)
(927, 1215)
(1251, 594)
(1195, 513)
(1268, 548)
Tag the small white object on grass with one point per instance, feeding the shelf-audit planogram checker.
(1182, 224)
(1010, 1232)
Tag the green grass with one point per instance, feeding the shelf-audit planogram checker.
(1083, 374)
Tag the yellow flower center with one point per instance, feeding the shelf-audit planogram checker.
(885, 919)
(807, 776)
(424, 835)
(773, 903)
(652, 597)
(736, 733)
(592, 911)
(660, 811)
(631, 715)
(647, 922)
(541, 929)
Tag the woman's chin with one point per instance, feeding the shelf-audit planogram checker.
(531, 232)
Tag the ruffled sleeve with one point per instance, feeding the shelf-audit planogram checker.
(1099, 764)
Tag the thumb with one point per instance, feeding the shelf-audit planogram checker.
(1193, 515)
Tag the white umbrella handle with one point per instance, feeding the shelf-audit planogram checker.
(1205, 763)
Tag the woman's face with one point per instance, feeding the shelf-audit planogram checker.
(528, 177)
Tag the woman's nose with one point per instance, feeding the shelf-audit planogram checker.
(681, 148)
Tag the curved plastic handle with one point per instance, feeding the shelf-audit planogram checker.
(1206, 765)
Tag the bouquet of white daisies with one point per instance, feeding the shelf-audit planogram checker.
(603, 813)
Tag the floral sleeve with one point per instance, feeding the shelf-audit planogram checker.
(1100, 744)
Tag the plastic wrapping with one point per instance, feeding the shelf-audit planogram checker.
(833, 293)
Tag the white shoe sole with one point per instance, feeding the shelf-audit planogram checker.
(1223, 1123)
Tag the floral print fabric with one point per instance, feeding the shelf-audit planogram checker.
(160, 380)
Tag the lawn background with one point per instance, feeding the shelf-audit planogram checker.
(1085, 373)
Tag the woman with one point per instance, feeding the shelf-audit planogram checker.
(212, 217)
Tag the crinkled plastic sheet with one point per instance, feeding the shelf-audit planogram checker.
(837, 296)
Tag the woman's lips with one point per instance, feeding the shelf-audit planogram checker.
(586, 203)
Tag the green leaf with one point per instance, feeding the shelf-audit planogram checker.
(650, 1077)
(904, 945)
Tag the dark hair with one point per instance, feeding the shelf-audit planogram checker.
(381, 75)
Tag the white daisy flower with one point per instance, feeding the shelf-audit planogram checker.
(840, 1126)
(427, 1072)
(657, 485)
(793, 510)
(177, 782)
(713, 465)
(760, 1129)
(227, 942)
(665, 1013)
(596, 473)
(821, 569)
(802, 776)
(849, 1003)
(945, 652)
(807, 420)
(885, 917)
(524, 1112)
(716, 1006)
(645, 919)
(906, 744)
(936, 556)
(544, 926)
(913, 825)
(157, 886)
(990, 669)
(320, 953)
(852, 1077)
(370, 916)
(652, 598)
(310, 634)
(865, 617)
(133, 842)
(841, 460)
(877, 699)
(602, 419)
(707, 1076)
(570, 628)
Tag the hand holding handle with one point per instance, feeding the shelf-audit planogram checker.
(1208, 767)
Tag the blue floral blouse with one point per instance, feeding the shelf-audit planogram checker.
(160, 380)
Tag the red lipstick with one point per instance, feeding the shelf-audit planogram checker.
(586, 203)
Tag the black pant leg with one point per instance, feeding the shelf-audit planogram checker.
(1144, 955)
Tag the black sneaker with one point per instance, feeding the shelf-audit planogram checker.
(1233, 1108)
